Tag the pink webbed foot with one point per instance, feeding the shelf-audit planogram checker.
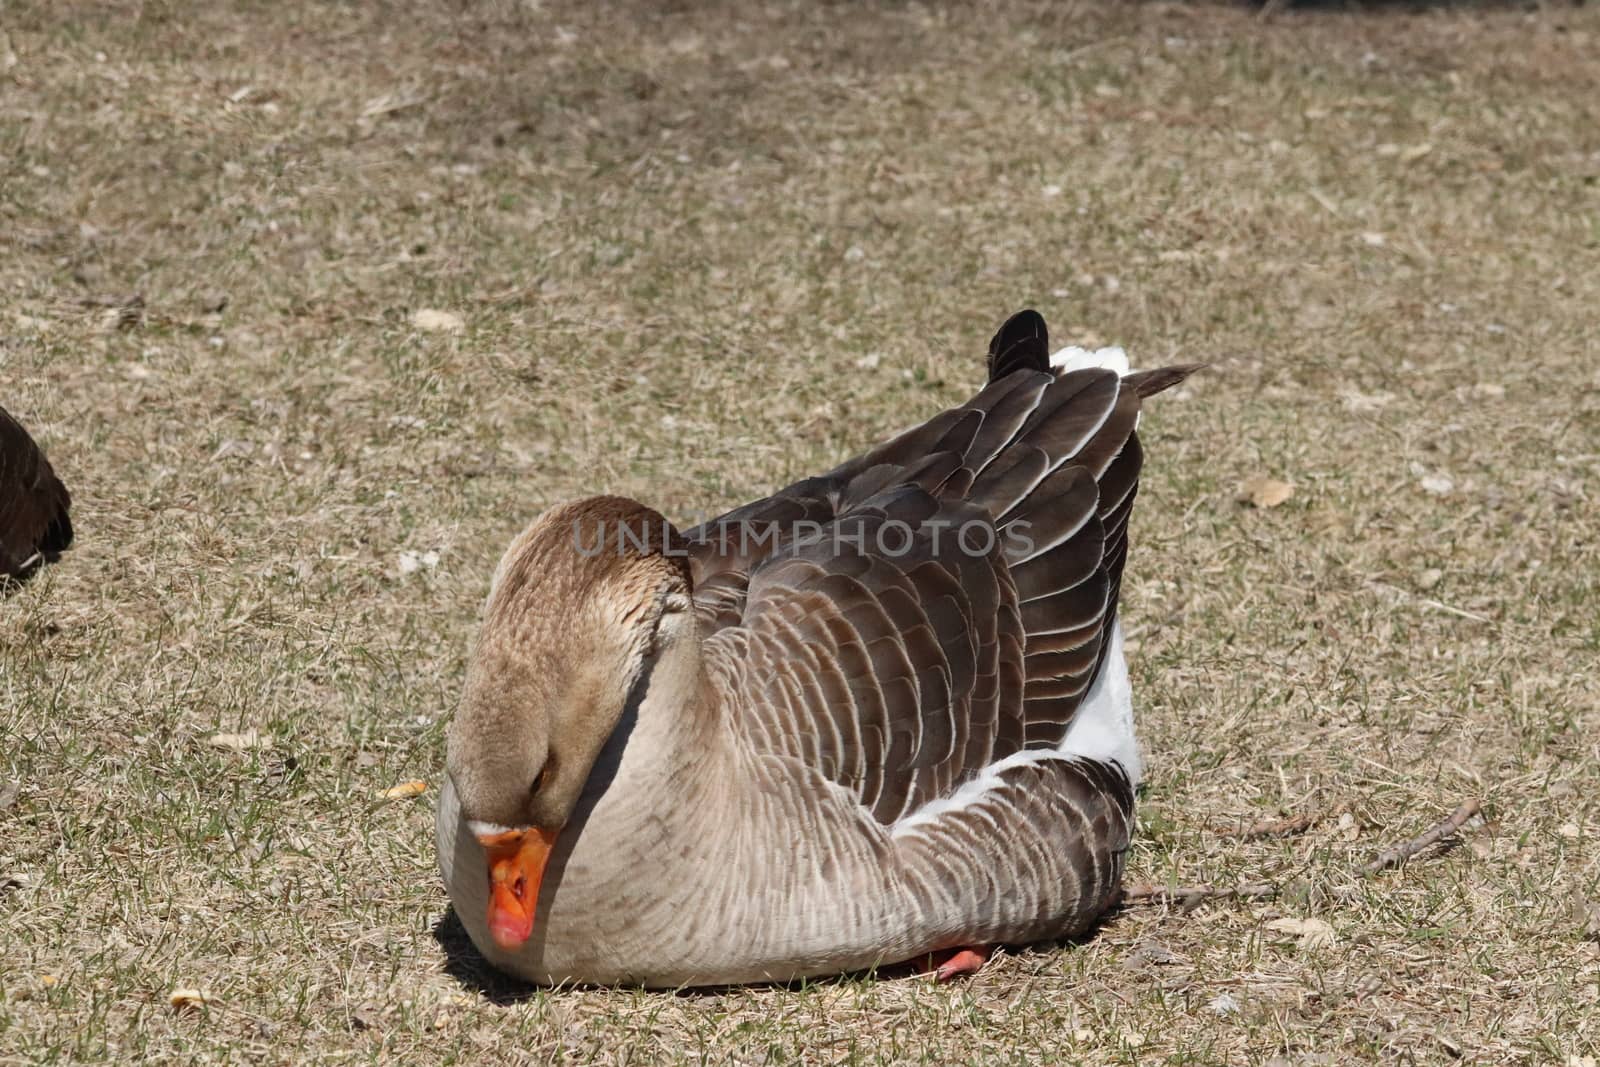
(958, 962)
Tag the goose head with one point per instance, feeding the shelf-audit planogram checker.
(584, 602)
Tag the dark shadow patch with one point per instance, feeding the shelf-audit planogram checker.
(467, 966)
(464, 963)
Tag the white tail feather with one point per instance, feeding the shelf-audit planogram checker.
(1103, 727)
(1074, 358)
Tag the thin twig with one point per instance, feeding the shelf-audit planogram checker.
(1289, 827)
(1430, 604)
(1400, 853)
(1187, 898)
(1190, 897)
(1460, 613)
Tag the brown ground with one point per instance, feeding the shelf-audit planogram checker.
(698, 253)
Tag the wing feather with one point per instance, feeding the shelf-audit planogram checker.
(892, 656)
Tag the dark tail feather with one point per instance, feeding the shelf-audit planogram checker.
(1022, 343)
(1148, 383)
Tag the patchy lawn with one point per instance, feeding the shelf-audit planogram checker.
(692, 254)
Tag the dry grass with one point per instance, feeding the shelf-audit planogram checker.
(698, 253)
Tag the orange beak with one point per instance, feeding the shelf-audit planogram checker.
(517, 860)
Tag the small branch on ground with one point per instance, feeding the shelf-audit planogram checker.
(1294, 824)
(1397, 855)
(1187, 898)
(1289, 826)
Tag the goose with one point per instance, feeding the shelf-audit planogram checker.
(35, 527)
(881, 715)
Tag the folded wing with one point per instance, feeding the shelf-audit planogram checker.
(943, 602)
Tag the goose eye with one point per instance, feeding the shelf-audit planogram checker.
(671, 608)
(539, 781)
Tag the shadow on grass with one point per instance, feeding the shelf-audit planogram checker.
(466, 965)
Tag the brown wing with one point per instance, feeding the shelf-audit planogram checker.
(886, 655)
(34, 523)
(901, 672)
